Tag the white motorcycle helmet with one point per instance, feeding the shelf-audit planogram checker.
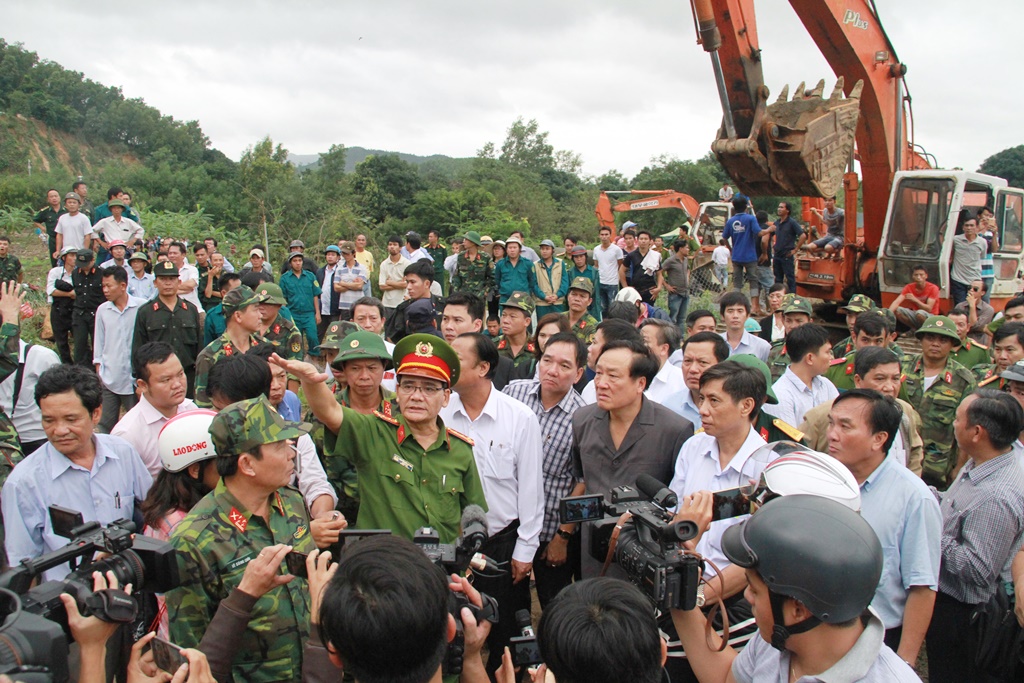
(796, 469)
(185, 439)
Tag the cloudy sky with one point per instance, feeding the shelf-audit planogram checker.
(618, 82)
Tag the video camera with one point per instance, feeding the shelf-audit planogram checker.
(35, 629)
(649, 547)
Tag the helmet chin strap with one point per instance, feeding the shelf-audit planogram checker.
(780, 632)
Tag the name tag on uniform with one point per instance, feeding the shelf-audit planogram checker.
(240, 562)
(402, 461)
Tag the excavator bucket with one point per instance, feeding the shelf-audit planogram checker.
(797, 147)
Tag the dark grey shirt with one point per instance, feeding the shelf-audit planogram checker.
(650, 447)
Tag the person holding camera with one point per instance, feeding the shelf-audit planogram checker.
(251, 508)
(810, 600)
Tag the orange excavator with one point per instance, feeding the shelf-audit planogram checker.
(804, 146)
(648, 199)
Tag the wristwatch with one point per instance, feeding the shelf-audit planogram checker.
(564, 534)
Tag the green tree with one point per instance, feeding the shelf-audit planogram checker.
(1007, 164)
(450, 211)
(386, 186)
(526, 147)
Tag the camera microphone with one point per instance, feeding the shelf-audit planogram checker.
(474, 529)
(524, 623)
(656, 492)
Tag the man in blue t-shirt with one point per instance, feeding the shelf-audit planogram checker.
(789, 237)
(743, 229)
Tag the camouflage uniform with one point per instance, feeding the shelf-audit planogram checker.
(10, 268)
(585, 328)
(219, 537)
(473, 276)
(527, 354)
(971, 354)
(285, 337)
(987, 376)
(778, 360)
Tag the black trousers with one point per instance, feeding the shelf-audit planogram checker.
(551, 580)
(510, 596)
(60, 321)
(83, 328)
(950, 644)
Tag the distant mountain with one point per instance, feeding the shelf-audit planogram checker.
(353, 155)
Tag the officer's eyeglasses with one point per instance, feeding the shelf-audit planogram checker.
(428, 391)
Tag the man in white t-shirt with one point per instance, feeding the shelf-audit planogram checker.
(187, 274)
(74, 229)
(720, 257)
(608, 258)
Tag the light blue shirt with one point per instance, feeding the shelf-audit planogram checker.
(796, 398)
(142, 287)
(751, 344)
(682, 403)
(905, 516)
(118, 480)
(113, 341)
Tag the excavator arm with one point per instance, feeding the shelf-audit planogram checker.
(650, 199)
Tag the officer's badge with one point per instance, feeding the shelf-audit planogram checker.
(296, 347)
(300, 532)
(425, 349)
(354, 343)
(938, 323)
(238, 520)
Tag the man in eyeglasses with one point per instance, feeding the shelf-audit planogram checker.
(413, 471)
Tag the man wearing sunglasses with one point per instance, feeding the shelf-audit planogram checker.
(413, 471)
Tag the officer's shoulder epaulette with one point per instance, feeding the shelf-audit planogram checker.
(390, 420)
(984, 382)
(788, 429)
(778, 343)
(979, 345)
(838, 361)
(460, 436)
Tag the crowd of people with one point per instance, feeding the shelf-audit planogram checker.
(493, 379)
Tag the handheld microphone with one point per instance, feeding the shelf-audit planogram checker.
(525, 623)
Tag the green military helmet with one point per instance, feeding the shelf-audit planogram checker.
(336, 332)
(362, 345)
(521, 300)
(272, 294)
(796, 304)
(246, 425)
(858, 304)
(583, 283)
(165, 269)
(240, 297)
(474, 237)
(427, 355)
(941, 325)
(752, 361)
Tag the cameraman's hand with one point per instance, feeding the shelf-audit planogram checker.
(696, 508)
(263, 571)
(320, 570)
(326, 526)
(91, 631)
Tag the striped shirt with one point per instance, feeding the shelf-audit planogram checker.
(556, 433)
(342, 273)
(982, 527)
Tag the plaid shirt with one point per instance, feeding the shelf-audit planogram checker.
(556, 430)
(982, 527)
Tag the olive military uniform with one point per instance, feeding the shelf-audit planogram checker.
(524, 360)
(48, 218)
(778, 360)
(438, 254)
(10, 268)
(285, 337)
(987, 376)
(473, 276)
(221, 347)
(845, 347)
(971, 354)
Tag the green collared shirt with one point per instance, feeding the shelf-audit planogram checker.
(215, 542)
(403, 486)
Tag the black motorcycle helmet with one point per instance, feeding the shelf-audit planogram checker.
(811, 549)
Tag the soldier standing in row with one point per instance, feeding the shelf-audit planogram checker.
(302, 292)
(473, 269)
(169, 318)
(242, 314)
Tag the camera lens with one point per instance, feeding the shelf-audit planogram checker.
(126, 565)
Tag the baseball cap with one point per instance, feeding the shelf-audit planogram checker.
(578, 250)
(1015, 372)
(350, 247)
(257, 252)
(797, 304)
(251, 423)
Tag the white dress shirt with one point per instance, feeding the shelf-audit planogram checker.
(699, 468)
(189, 272)
(389, 381)
(125, 230)
(667, 383)
(311, 479)
(112, 341)
(795, 398)
(141, 427)
(25, 414)
(327, 289)
(589, 393)
(56, 273)
(509, 455)
(751, 344)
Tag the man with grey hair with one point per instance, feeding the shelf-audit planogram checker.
(663, 339)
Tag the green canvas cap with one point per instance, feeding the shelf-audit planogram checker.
(246, 425)
(336, 332)
(858, 304)
(939, 324)
(240, 297)
(583, 283)
(362, 345)
(474, 237)
(272, 294)
(521, 300)
(796, 304)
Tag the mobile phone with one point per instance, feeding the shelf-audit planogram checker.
(729, 503)
(63, 520)
(525, 651)
(297, 564)
(166, 655)
(581, 508)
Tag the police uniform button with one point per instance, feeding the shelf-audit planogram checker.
(398, 477)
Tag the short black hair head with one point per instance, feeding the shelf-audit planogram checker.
(60, 379)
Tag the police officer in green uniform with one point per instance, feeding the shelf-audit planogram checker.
(769, 427)
(413, 471)
(796, 311)
(438, 252)
(365, 395)
(251, 514)
(1007, 349)
(302, 292)
(950, 382)
(169, 318)
(47, 218)
(970, 353)
(518, 304)
(242, 315)
(279, 330)
(870, 329)
(473, 268)
(579, 298)
(858, 304)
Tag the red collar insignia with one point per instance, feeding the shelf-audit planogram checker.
(228, 349)
(385, 408)
(530, 347)
(849, 369)
(502, 344)
(238, 520)
(949, 376)
(401, 434)
(277, 329)
(764, 433)
(156, 306)
(583, 323)
(184, 306)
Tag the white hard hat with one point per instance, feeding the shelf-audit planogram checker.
(185, 439)
(796, 469)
